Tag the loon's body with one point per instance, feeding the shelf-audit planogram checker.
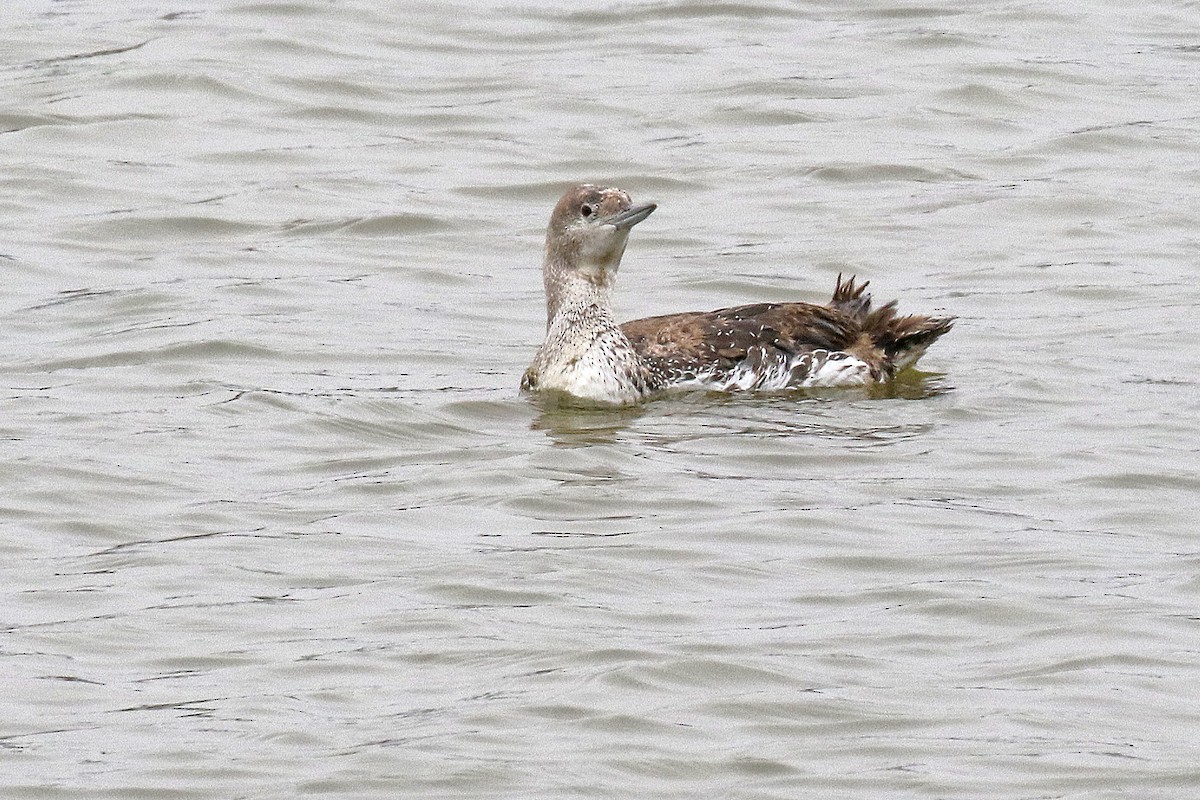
(763, 346)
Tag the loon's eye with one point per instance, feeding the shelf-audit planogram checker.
(586, 210)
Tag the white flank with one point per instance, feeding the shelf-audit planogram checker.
(820, 368)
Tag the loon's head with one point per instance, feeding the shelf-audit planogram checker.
(588, 231)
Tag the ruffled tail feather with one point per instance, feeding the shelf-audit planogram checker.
(902, 340)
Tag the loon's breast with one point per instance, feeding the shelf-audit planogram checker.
(590, 378)
(600, 366)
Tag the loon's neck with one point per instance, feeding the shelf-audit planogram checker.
(570, 288)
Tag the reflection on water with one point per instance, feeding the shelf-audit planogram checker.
(572, 422)
(911, 384)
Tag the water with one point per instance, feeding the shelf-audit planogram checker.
(276, 523)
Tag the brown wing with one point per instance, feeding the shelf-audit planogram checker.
(678, 345)
(690, 342)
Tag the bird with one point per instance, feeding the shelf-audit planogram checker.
(588, 356)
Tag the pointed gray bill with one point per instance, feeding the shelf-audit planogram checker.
(630, 216)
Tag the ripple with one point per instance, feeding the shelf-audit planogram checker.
(276, 520)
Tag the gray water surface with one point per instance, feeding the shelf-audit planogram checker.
(275, 523)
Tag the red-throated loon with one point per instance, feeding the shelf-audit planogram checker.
(764, 346)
